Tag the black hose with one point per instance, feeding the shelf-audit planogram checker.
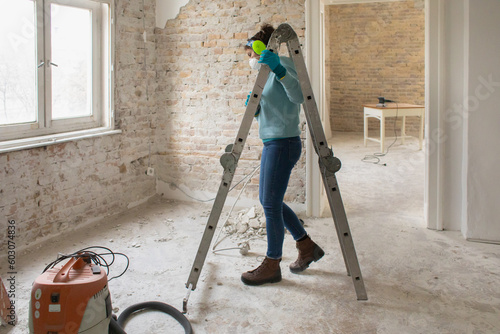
(116, 326)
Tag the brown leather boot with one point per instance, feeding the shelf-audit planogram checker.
(308, 252)
(268, 272)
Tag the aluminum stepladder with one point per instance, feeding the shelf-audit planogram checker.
(328, 165)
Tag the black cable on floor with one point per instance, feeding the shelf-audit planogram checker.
(117, 326)
(375, 157)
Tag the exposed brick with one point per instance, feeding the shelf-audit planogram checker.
(51, 189)
(374, 49)
(197, 78)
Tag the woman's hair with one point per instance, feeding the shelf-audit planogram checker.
(266, 30)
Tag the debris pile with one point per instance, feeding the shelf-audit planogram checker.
(246, 224)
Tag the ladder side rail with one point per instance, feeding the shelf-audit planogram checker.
(328, 185)
(249, 115)
(344, 234)
(328, 170)
(285, 34)
(314, 123)
(209, 229)
(315, 127)
(310, 106)
(229, 161)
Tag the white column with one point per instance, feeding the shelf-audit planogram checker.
(313, 46)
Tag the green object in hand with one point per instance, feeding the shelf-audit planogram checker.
(258, 47)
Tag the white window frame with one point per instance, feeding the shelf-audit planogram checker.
(44, 130)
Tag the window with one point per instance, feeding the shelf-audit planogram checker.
(55, 68)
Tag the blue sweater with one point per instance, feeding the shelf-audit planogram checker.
(280, 105)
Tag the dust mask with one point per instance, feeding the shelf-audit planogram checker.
(254, 63)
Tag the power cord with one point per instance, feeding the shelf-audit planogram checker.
(211, 199)
(245, 246)
(375, 157)
(96, 258)
(243, 179)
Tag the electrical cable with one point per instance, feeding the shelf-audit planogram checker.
(245, 246)
(231, 210)
(94, 257)
(224, 249)
(211, 199)
(375, 157)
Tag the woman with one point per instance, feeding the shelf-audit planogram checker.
(278, 118)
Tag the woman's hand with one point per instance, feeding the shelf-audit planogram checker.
(272, 60)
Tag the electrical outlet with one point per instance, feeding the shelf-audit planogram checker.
(150, 171)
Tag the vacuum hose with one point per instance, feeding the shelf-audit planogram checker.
(116, 326)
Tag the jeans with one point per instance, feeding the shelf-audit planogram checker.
(278, 159)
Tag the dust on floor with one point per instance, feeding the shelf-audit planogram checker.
(417, 280)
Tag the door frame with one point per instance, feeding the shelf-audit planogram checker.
(434, 103)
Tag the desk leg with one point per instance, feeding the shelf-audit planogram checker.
(366, 128)
(382, 133)
(403, 130)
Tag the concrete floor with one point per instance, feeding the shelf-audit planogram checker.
(417, 280)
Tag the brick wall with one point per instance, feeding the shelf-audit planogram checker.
(204, 79)
(179, 99)
(374, 49)
(56, 188)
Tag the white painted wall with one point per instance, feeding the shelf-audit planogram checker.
(315, 197)
(464, 106)
(483, 135)
(434, 104)
(166, 10)
(454, 17)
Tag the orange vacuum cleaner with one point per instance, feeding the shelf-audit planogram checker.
(71, 299)
(75, 299)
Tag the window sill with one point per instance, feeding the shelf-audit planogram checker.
(27, 143)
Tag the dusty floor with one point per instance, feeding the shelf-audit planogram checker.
(417, 280)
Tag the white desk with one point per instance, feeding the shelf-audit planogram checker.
(393, 110)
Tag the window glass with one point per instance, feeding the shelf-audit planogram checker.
(17, 62)
(71, 63)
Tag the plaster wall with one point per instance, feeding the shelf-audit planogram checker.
(465, 133)
(453, 124)
(167, 10)
(483, 114)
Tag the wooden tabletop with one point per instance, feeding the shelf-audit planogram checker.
(394, 106)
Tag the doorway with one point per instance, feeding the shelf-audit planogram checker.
(374, 27)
